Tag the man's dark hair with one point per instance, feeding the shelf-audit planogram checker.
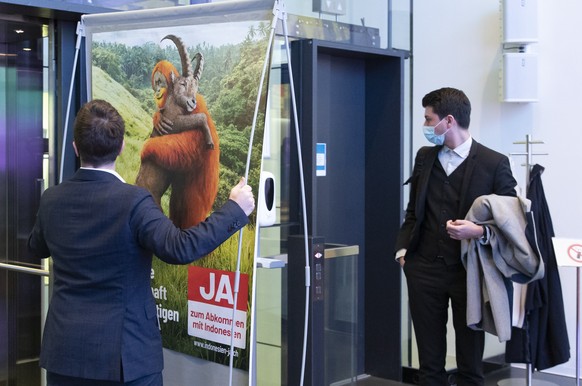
(98, 133)
(451, 101)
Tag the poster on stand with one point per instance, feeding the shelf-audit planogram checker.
(186, 82)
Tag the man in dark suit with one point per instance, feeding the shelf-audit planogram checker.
(445, 181)
(102, 327)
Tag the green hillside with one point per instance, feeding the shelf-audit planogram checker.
(138, 123)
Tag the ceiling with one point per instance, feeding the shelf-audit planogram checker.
(91, 6)
(18, 15)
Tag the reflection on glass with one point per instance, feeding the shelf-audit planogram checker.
(23, 55)
(354, 22)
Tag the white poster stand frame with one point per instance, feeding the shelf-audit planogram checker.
(279, 13)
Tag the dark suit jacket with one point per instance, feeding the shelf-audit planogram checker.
(101, 233)
(487, 172)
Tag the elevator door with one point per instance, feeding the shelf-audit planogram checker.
(350, 113)
(22, 80)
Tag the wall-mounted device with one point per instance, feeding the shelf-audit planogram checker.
(520, 21)
(519, 66)
(266, 209)
(520, 71)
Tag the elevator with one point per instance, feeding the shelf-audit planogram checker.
(350, 115)
(23, 82)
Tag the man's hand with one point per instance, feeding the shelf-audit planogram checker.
(242, 194)
(463, 229)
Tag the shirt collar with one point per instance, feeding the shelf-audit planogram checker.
(463, 149)
(107, 171)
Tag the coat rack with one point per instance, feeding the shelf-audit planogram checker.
(529, 155)
(528, 165)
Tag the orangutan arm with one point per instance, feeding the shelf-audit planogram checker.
(185, 122)
(163, 125)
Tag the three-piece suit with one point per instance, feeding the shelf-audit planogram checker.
(434, 272)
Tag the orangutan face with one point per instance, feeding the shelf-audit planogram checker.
(162, 78)
(160, 86)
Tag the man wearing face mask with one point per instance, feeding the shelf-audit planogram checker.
(445, 181)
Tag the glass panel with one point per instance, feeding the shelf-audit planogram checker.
(400, 23)
(340, 318)
(272, 283)
(21, 170)
(341, 315)
(348, 21)
(277, 151)
(270, 313)
(21, 134)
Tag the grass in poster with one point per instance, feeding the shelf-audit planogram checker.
(175, 278)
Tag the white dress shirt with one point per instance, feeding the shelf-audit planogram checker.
(107, 171)
(450, 159)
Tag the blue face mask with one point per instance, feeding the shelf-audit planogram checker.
(437, 139)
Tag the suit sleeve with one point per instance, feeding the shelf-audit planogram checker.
(504, 181)
(404, 235)
(156, 233)
(36, 242)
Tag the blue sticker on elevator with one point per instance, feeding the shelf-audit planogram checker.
(320, 159)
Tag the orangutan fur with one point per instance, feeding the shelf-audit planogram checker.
(181, 159)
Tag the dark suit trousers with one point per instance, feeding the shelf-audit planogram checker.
(431, 285)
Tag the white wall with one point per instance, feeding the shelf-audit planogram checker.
(457, 43)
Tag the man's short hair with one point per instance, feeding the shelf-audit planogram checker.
(449, 101)
(98, 133)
